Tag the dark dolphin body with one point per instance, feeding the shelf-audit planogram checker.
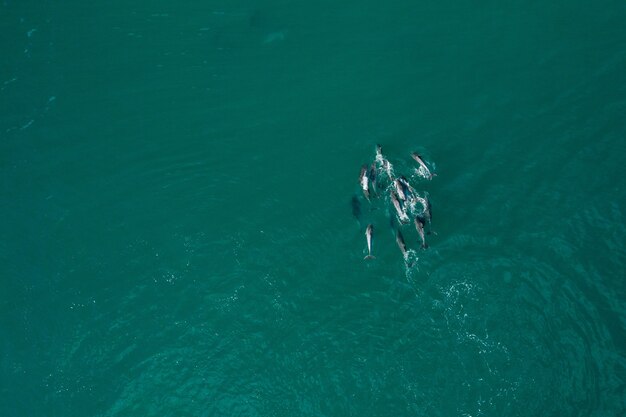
(428, 210)
(356, 207)
(373, 178)
(419, 226)
(400, 242)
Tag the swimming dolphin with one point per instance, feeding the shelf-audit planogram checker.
(379, 154)
(396, 204)
(420, 161)
(368, 235)
(399, 189)
(419, 226)
(356, 207)
(406, 187)
(373, 178)
(364, 181)
(388, 169)
(427, 208)
(401, 244)
(383, 162)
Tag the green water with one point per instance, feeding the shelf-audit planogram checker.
(177, 237)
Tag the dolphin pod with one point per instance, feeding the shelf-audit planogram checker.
(404, 204)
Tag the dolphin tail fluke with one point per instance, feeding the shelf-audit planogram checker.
(425, 246)
(370, 257)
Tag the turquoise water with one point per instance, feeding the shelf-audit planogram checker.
(177, 236)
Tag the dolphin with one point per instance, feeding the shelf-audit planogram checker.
(368, 235)
(356, 207)
(406, 187)
(364, 181)
(373, 178)
(427, 208)
(419, 226)
(379, 154)
(420, 161)
(388, 169)
(396, 204)
(400, 242)
(399, 189)
(383, 162)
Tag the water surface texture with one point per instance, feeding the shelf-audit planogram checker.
(177, 236)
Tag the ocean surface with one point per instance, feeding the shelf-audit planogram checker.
(177, 236)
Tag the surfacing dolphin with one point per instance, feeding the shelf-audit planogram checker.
(419, 226)
(422, 164)
(406, 187)
(399, 189)
(373, 178)
(384, 162)
(364, 181)
(368, 235)
(379, 154)
(402, 216)
(427, 208)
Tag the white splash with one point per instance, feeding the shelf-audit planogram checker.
(423, 172)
